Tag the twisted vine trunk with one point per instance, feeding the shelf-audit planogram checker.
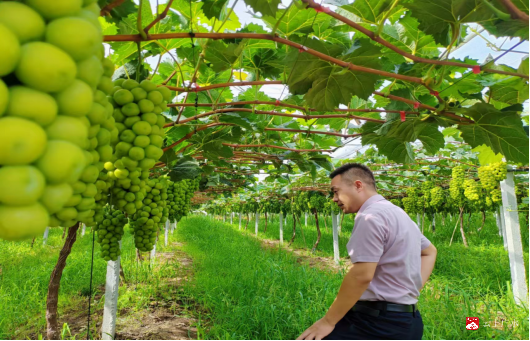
(462, 227)
(53, 330)
(318, 231)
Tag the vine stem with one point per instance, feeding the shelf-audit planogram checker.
(106, 10)
(262, 36)
(515, 12)
(159, 17)
(374, 37)
(287, 105)
(312, 132)
(273, 113)
(276, 147)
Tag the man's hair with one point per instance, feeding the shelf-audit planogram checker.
(354, 171)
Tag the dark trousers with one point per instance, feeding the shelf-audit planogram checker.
(388, 325)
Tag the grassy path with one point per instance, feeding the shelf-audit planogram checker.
(252, 292)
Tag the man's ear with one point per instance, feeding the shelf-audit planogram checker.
(358, 184)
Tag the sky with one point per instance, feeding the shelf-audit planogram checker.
(478, 48)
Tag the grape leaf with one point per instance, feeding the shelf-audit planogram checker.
(338, 87)
(222, 56)
(213, 8)
(412, 130)
(371, 11)
(438, 17)
(406, 35)
(502, 131)
(266, 7)
(394, 149)
(486, 155)
(295, 21)
(185, 168)
(511, 91)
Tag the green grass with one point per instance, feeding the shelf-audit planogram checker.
(26, 273)
(242, 290)
(235, 275)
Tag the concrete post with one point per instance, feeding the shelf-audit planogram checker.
(335, 238)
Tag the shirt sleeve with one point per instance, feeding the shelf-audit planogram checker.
(424, 242)
(368, 239)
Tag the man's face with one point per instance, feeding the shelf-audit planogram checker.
(347, 194)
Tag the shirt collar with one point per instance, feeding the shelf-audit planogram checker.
(370, 201)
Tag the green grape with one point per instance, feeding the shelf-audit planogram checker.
(437, 197)
(496, 195)
(151, 215)
(487, 178)
(458, 175)
(138, 116)
(499, 171)
(109, 233)
(396, 202)
(471, 190)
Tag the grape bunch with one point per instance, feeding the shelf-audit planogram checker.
(471, 190)
(109, 233)
(180, 202)
(458, 175)
(396, 202)
(490, 177)
(51, 67)
(437, 197)
(145, 222)
(426, 187)
(412, 203)
(139, 120)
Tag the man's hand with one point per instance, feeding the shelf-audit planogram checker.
(319, 330)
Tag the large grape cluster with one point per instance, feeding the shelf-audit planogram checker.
(145, 222)
(180, 198)
(139, 120)
(52, 87)
(458, 175)
(490, 177)
(110, 232)
(437, 197)
(471, 190)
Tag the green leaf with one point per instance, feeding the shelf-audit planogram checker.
(371, 11)
(216, 149)
(486, 155)
(412, 130)
(266, 7)
(338, 87)
(296, 20)
(406, 35)
(213, 8)
(208, 169)
(222, 56)
(502, 131)
(390, 147)
(438, 17)
(185, 168)
(168, 157)
(323, 162)
(508, 92)
(235, 119)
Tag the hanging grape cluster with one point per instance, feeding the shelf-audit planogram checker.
(109, 233)
(139, 120)
(54, 127)
(150, 216)
(180, 198)
(490, 177)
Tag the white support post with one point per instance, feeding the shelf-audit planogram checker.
(224, 217)
(335, 238)
(281, 228)
(257, 223)
(503, 228)
(173, 226)
(306, 219)
(153, 252)
(110, 310)
(166, 232)
(418, 220)
(339, 227)
(83, 230)
(240, 220)
(513, 239)
(498, 220)
(231, 218)
(45, 237)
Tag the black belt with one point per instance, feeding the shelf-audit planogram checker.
(373, 308)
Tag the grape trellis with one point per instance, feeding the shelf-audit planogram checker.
(128, 115)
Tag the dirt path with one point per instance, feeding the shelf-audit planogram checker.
(165, 318)
(304, 256)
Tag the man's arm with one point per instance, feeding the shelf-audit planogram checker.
(428, 258)
(353, 286)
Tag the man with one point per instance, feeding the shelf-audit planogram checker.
(391, 259)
